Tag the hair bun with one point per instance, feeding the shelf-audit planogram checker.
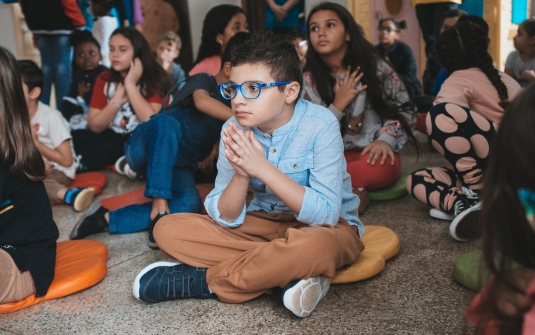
(403, 24)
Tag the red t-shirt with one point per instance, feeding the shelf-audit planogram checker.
(125, 120)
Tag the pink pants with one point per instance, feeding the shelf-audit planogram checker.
(369, 176)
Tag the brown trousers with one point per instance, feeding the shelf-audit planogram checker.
(53, 182)
(266, 251)
(14, 285)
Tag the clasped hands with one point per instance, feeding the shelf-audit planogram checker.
(243, 151)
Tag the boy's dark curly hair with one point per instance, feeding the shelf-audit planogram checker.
(464, 46)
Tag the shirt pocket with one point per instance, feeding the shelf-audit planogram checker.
(298, 168)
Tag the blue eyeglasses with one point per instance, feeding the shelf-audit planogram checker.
(249, 89)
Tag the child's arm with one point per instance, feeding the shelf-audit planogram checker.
(143, 109)
(247, 157)
(208, 105)
(99, 119)
(62, 154)
(508, 71)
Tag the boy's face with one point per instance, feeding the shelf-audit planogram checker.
(87, 56)
(271, 110)
(448, 22)
(166, 51)
(30, 96)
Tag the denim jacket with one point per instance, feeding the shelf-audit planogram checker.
(309, 150)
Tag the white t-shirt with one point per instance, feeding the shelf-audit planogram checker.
(516, 63)
(52, 130)
(102, 29)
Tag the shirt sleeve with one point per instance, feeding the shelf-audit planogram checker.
(225, 172)
(99, 100)
(58, 129)
(510, 60)
(71, 9)
(322, 201)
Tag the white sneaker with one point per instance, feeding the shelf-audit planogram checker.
(465, 226)
(302, 298)
(120, 164)
(122, 168)
(438, 214)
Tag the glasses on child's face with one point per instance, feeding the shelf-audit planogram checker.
(387, 29)
(249, 89)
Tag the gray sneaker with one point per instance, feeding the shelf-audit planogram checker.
(301, 297)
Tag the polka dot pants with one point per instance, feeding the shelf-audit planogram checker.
(463, 137)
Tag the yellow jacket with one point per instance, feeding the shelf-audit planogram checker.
(425, 2)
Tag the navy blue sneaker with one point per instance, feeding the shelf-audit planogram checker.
(162, 281)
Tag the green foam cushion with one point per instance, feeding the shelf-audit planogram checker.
(393, 191)
(467, 271)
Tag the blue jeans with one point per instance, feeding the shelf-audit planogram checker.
(56, 57)
(430, 20)
(166, 149)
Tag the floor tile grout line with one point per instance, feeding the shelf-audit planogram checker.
(129, 259)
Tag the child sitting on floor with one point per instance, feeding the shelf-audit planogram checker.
(461, 125)
(399, 54)
(520, 64)
(28, 233)
(344, 73)
(53, 140)
(302, 224)
(166, 149)
(75, 105)
(167, 49)
(507, 304)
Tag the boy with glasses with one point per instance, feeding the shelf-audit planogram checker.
(302, 223)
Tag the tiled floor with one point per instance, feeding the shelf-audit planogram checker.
(415, 293)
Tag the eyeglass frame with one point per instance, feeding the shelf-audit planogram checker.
(238, 87)
(387, 29)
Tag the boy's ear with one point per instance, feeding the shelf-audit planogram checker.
(292, 92)
(35, 93)
(226, 69)
(177, 52)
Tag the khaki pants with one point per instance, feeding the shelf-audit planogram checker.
(266, 251)
(14, 285)
(53, 182)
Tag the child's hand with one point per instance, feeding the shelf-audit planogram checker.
(243, 150)
(528, 75)
(134, 73)
(376, 149)
(83, 88)
(346, 91)
(49, 166)
(120, 96)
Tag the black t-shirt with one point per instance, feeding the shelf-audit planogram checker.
(27, 231)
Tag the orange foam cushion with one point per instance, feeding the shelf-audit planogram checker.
(79, 265)
(135, 197)
(380, 244)
(96, 180)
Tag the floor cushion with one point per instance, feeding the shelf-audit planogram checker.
(380, 244)
(467, 271)
(393, 191)
(135, 197)
(96, 180)
(79, 265)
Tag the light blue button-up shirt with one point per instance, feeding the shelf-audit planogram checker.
(309, 150)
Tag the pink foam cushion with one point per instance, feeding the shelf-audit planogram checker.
(96, 180)
(135, 197)
(79, 265)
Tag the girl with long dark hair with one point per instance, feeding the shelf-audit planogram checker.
(28, 233)
(130, 92)
(461, 126)
(344, 73)
(219, 25)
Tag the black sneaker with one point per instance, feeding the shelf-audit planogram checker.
(151, 242)
(465, 226)
(301, 297)
(162, 281)
(91, 224)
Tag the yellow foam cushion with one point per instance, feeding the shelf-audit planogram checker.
(79, 265)
(380, 244)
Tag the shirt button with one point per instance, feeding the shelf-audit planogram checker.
(296, 166)
(371, 140)
(273, 150)
(265, 135)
